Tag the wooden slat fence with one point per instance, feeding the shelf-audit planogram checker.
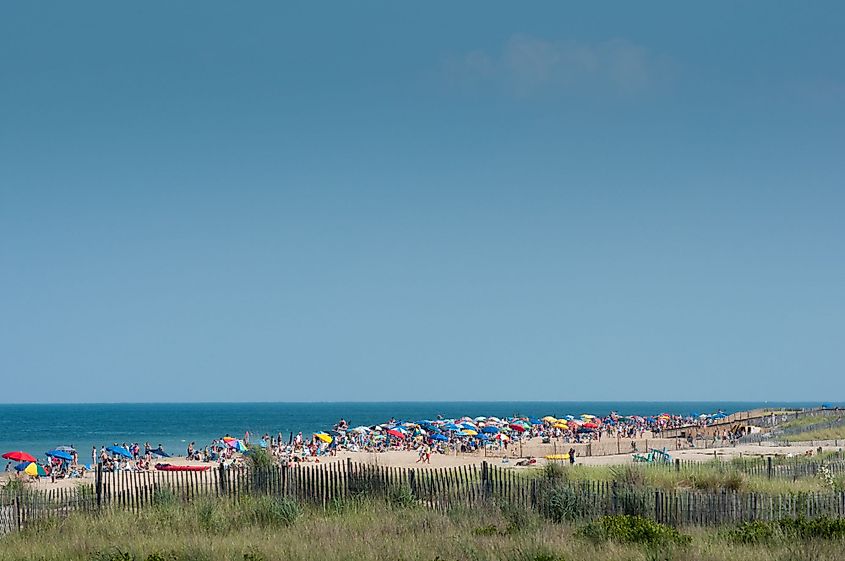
(324, 485)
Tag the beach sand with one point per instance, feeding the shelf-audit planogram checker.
(530, 449)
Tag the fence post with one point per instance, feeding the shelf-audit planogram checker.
(769, 467)
(99, 484)
(222, 469)
(677, 464)
(412, 482)
(485, 478)
(18, 511)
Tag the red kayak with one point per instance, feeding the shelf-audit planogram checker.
(170, 467)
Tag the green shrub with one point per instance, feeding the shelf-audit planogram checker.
(789, 529)
(823, 528)
(632, 529)
(756, 532)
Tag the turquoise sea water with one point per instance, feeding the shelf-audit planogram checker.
(38, 428)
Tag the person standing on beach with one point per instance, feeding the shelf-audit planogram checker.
(572, 456)
(93, 455)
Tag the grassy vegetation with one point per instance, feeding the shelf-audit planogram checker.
(821, 433)
(708, 476)
(809, 421)
(363, 530)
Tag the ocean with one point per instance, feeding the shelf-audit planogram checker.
(36, 428)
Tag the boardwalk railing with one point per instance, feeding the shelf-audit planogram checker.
(442, 489)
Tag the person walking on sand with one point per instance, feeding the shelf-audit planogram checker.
(572, 456)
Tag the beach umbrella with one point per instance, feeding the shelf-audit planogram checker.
(19, 456)
(587, 417)
(70, 449)
(32, 468)
(120, 451)
(535, 421)
(493, 420)
(237, 445)
(323, 437)
(480, 419)
(490, 429)
(569, 417)
(517, 427)
(549, 419)
(560, 425)
(451, 426)
(361, 429)
(60, 454)
(439, 437)
(395, 433)
(468, 432)
(502, 437)
(589, 426)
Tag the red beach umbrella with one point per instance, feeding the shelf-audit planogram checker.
(19, 456)
(590, 426)
(396, 433)
(517, 428)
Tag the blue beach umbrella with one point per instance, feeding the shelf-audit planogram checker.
(490, 430)
(451, 426)
(535, 421)
(438, 436)
(60, 454)
(119, 450)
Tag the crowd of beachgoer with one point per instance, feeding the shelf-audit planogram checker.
(422, 437)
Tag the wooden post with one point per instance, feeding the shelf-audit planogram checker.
(677, 464)
(99, 484)
(769, 466)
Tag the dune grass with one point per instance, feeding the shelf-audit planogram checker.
(708, 476)
(363, 530)
(824, 432)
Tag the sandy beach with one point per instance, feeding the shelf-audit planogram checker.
(532, 448)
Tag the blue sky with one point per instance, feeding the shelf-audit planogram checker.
(378, 201)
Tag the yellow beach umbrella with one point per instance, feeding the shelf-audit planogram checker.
(549, 419)
(34, 470)
(560, 425)
(324, 437)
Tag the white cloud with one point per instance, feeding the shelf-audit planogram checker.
(528, 65)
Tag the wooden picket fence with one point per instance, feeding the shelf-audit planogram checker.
(783, 468)
(441, 489)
